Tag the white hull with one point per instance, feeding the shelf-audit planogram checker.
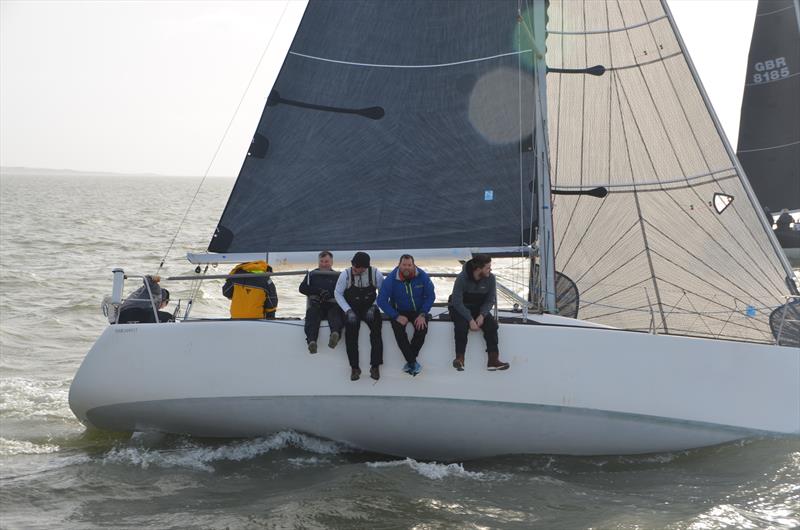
(570, 390)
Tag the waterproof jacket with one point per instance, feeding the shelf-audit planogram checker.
(466, 290)
(251, 297)
(321, 284)
(139, 299)
(398, 295)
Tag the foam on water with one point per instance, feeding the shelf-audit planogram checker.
(22, 398)
(436, 471)
(191, 455)
(24, 447)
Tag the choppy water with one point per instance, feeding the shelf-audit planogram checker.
(59, 239)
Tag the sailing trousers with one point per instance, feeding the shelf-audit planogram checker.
(410, 349)
(316, 312)
(372, 317)
(461, 328)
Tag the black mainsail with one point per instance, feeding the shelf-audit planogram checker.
(392, 125)
(769, 131)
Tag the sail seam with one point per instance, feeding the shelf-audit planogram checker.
(604, 31)
(440, 65)
(650, 183)
(660, 59)
(769, 148)
(773, 12)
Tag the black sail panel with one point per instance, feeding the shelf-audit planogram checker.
(769, 131)
(392, 124)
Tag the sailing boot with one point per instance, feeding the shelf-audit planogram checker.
(333, 340)
(312, 346)
(375, 372)
(355, 374)
(458, 363)
(495, 363)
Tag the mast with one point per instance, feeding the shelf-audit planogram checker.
(542, 168)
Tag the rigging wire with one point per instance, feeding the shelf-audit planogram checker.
(224, 135)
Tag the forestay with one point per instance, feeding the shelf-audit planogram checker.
(392, 125)
(677, 246)
(769, 131)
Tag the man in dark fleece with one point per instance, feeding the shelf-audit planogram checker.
(474, 296)
(319, 286)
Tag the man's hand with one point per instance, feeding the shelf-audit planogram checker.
(479, 321)
(420, 322)
(351, 316)
(401, 320)
(474, 325)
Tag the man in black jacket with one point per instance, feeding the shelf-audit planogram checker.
(319, 286)
(474, 296)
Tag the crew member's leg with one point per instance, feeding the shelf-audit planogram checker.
(460, 330)
(375, 322)
(490, 329)
(419, 335)
(313, 316)
(402, 341)
(351, 339)
(335, 322)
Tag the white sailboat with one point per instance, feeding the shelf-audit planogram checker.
(404, 125)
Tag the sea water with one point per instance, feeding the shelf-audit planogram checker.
(59, 239)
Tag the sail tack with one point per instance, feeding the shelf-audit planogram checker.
(658, 252)
(392, 125)
(769, 134)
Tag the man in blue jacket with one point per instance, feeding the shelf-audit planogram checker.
(407, 296)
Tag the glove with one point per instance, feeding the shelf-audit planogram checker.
(352, 318)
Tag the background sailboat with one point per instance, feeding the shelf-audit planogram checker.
(769, 134)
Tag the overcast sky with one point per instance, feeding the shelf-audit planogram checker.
(150, 87)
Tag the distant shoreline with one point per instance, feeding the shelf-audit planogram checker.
(47, 172)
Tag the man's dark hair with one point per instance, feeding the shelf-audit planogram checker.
(479, 261)
(325, 253)
(406, 256)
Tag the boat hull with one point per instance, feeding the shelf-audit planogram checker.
(570, 390)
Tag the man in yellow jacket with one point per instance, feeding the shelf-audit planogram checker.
(251, 296)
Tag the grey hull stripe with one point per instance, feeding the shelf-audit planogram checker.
(441, 65)
(773, 12)
(584, 411)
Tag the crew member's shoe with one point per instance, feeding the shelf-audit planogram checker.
(458, 363)
(355, 374)
(312, 346)
(495, 363)
(408, 368)
(375, 372)
(416, 368)
(333, 340)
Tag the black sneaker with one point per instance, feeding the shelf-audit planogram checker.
(355, 374)
(312, 347)
(375, 372)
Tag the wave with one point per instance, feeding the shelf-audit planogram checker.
(191, 455)
(23, 447)
(23, 398)
(436, 471)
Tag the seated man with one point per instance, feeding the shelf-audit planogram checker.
(474, 295)
(251, 297)
(319, 286)
(407, 295)
(138, 307)
(355, 293)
